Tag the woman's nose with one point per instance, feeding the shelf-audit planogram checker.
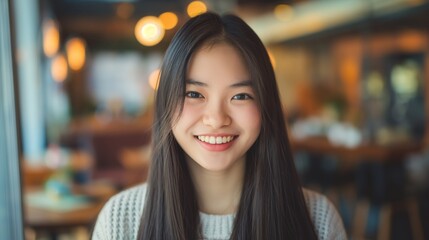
(216, 116)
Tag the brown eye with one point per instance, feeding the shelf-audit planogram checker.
(242, 96)
(192, 94)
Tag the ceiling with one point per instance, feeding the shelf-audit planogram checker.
(335, 16)
(110, 23)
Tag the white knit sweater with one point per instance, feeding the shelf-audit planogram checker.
(120, 218)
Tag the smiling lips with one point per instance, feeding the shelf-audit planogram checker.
(216, 143)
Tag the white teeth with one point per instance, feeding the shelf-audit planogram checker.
(216, 140)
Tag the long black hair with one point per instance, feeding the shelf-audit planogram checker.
(272, 204)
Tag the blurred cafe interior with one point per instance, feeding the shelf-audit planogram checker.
(354, 83)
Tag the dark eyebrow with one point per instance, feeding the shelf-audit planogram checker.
(245, 83)
(194, 82)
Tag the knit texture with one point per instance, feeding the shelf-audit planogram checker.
(120, 218)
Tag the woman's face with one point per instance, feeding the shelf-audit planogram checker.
(220, 120)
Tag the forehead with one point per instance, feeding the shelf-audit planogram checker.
(219, 60)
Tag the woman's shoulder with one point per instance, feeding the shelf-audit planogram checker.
(128, 202)
(316, 202)
(120, 216)
(327, 222)
(136, 193)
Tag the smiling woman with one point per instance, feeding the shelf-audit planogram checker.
(221, 166)
(10, 199)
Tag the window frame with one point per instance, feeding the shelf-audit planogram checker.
(11, 214)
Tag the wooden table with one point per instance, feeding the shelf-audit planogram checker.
(365, 151)
(54, 222)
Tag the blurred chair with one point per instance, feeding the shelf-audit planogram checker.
(106, 140)
(375, 175)
(383, 194)
(109, 149)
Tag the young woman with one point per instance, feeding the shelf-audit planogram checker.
(222, 166)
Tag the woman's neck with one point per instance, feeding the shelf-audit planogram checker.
(218, 193)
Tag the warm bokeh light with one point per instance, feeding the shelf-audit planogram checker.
(196, 8)
(272, 59)
(349, 70)
(411, 41)
(124, 10)
(149, 31)
(51, 38)
(75, 49)
(153, 79)
(283, 12)
(59, 68)
(169, 20)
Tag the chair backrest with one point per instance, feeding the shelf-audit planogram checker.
(107, 146)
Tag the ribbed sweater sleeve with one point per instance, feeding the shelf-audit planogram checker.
(120, 216)
(101, 226)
